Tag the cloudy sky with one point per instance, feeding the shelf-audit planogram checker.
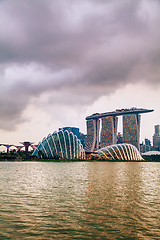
(62, 60)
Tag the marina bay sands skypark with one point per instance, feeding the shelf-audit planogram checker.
(108, 131)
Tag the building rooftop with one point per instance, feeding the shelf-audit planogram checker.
(119, 112)
(151, 153)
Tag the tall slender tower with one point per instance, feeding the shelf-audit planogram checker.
(157, 130)
(156, 138)
(131, 129)
(92, 142)
(109, 131)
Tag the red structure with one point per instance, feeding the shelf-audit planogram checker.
(34, 146)
(18, 147)
(7, 146)
(26, 145)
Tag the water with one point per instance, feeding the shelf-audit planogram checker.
(92, 200)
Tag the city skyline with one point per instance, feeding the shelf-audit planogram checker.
(62, 61)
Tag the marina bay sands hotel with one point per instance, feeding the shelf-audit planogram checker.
(109, 123)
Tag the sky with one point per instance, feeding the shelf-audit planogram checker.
(63, 60)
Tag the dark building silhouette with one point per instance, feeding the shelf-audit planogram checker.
(82, 137)
(74, 130)
(157, 130)
(142, 147)
(156, 138)
(119, 138)
(147, 145)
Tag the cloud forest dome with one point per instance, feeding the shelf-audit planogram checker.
(60, 145)
(123, 151)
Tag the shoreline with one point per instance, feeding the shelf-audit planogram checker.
(27, 157)
(74, 160)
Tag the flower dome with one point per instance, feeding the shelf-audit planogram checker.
(120, 152)
(60, 145)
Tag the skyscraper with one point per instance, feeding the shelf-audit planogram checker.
(109, 131)
(92, 142)
(147, 145)
(131, 129)
(157, 130)
(156, 138)
(74, 130)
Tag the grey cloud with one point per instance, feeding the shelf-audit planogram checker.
(76, 49)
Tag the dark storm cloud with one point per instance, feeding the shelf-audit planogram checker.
(77, 49)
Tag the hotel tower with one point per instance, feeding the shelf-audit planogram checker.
(92, 143)
(108, 131)
(131, 129)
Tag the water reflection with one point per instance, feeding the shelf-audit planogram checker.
(121, 190)
(92, 200)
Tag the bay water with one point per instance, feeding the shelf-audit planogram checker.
(79, 200)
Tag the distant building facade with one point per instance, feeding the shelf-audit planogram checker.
(74, 130)
(142, 147)
(131, 129)
(82, 137)
(148, 146)
(157, 130)
(109, 131)
(119, 138)
(156, 138)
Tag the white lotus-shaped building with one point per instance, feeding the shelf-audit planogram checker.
(123, 151)
(60, 145)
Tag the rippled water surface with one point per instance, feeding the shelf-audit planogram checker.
(92, 200)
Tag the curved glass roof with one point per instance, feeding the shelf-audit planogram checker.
(60, 145)
(120, 152)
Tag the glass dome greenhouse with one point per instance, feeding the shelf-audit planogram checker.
(123, 151)
(60, 145)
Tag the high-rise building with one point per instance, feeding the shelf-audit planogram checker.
(83, 138)
(147, 145)
(74, 130)
(142, 148)
(119, 138)
(109, 131)
(92, 142)
(157, 130)
(156, 138)
(131, 129)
